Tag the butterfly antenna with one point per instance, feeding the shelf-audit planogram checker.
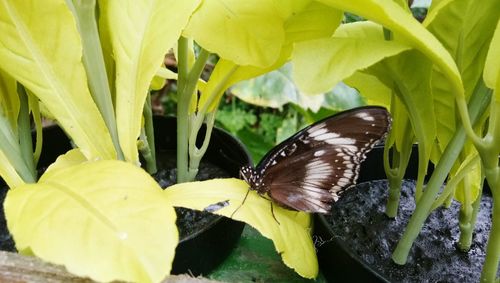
(244, 199)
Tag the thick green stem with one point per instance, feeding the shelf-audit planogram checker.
(478, 103)
(84, 11)
(490, 266)
(467, 222)
(186, 85)
(183, 103)
(24, 131)
(149, 136)
(395, 174)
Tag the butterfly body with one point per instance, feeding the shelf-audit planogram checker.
(309, 170)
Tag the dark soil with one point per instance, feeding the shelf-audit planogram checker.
(188, 221)
(358, 219)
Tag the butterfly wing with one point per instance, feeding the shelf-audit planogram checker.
(308, 171)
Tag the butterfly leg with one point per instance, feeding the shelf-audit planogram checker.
(272, 212)
(244, 199)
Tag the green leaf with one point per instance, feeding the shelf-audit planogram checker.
(235, 119)
(291, 236)
(274, 90)
(43, 52)
(107, 220)
(321, 64)
(254, 142)
(141, 33)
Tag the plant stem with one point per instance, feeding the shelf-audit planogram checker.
(37, 119)
(183, 103)
(400, 157)
(196, 153)
(24, 130)
(84, 11)
(150, 136)
(186, 85)
(492, 260)
(477, 104)
(467, 222)
(10, 147)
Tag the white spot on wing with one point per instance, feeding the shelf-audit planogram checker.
(319, 153)
(365, 116)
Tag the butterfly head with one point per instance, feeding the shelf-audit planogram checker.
(253, 178)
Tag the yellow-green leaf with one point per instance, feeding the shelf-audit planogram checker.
(305, 21)
(9, 99)
(141, 34)
(371, 88)
(402, 24)
(41, 48)
(492, 66)
(467, 42)
(9, 173)
(320, 64)
(246, 33)
(467, 191)
(104, 219)
(70, 158)
(291, 236)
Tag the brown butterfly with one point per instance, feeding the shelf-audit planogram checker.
(310, 170)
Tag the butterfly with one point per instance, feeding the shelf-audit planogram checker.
(311, 169)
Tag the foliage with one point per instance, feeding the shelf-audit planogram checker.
(428, 74)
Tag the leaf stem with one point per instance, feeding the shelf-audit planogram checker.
(467, 222)
(186, 83)
(478, 103)
(84, 11)
(149, 136)
(10, 147)
(24, 131)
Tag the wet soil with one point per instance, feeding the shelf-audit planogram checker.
(358, 220)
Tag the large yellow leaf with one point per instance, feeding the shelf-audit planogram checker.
(307, 22)
(104, 219)
(291, 236)
(244, 32)
(321, 64)
(40, 47)
(141, 33)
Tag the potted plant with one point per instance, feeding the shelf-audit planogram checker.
(91, 73)
(438, 83)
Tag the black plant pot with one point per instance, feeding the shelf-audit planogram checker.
(199, 252)
(202, 251)
(358, 218)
